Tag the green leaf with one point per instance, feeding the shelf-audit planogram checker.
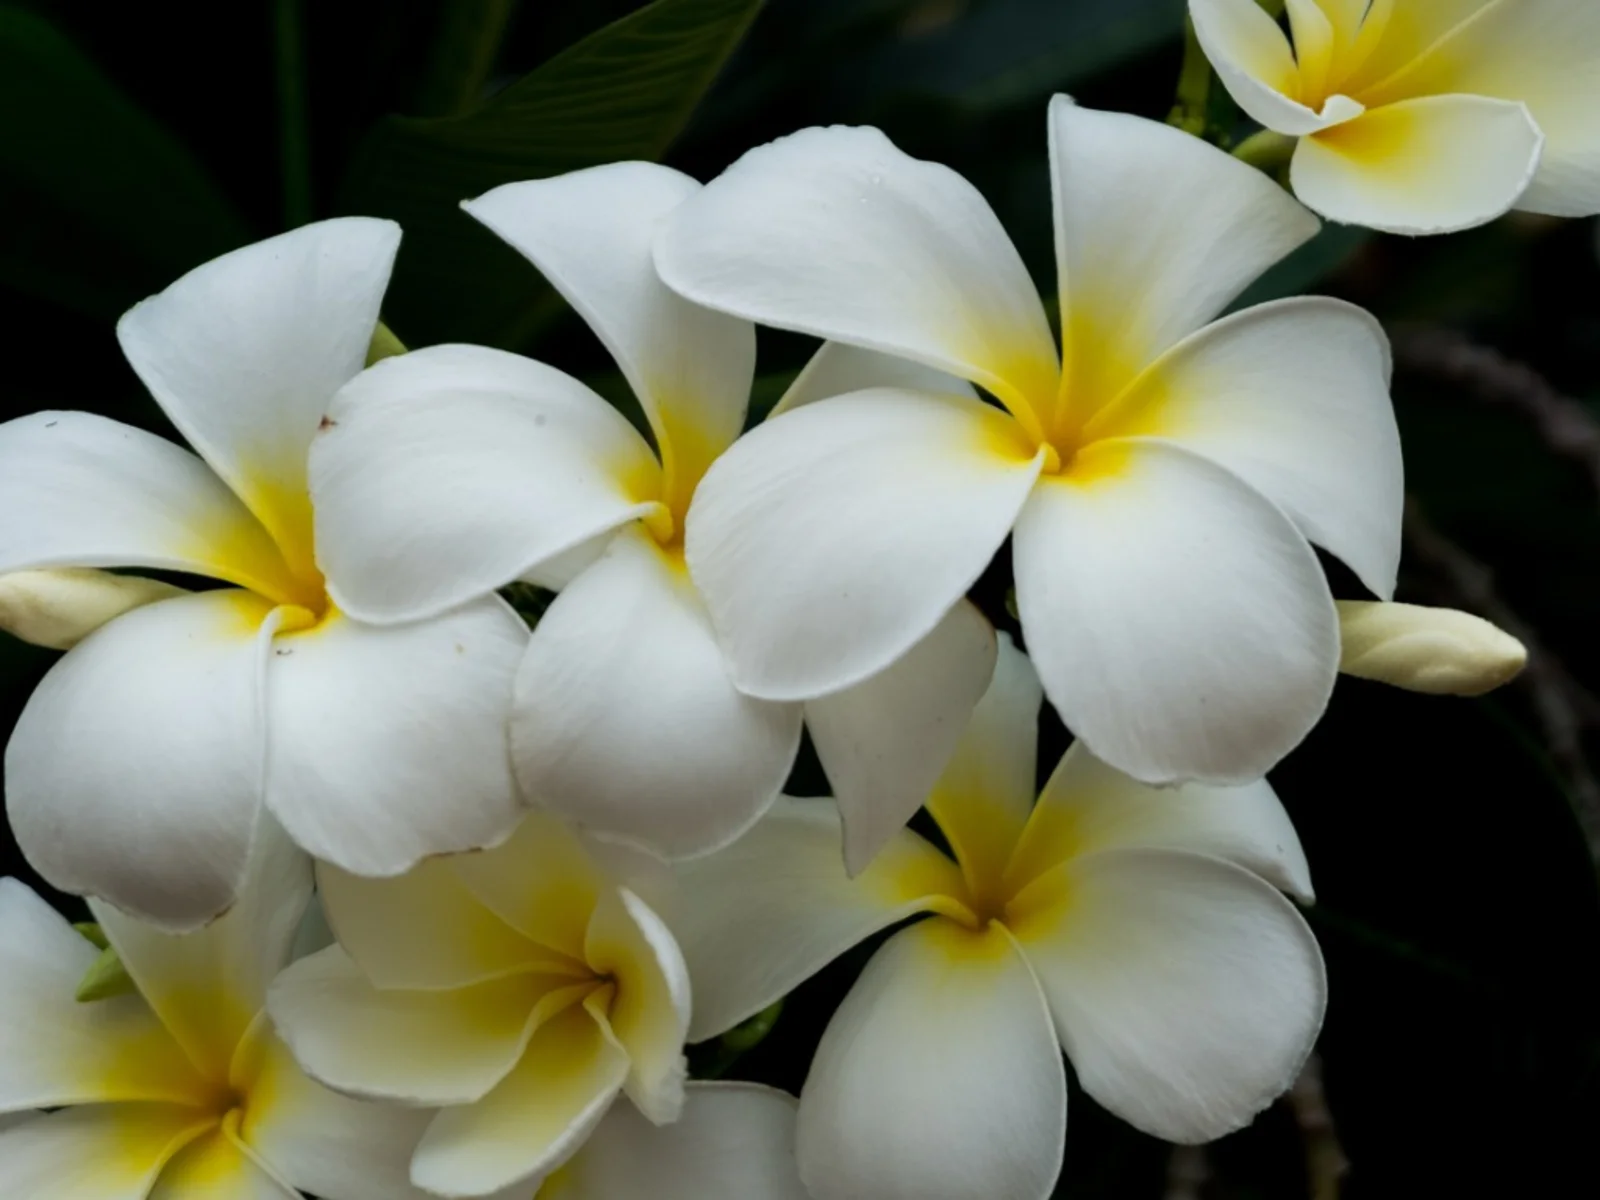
(113, 204)
(624, 92)
(1011, 52)
(464, 52)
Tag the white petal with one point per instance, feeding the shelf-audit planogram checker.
(735, 1141)
(590, 233)
(759, 918)
(388, 744)
(836, 232)
(542, 881)
(1253, 60)
(207, 986)
(216, 1166)
(650, 1015)
(938, 1078)
(245, 352)
(534, 1121)
(1087, 807)
(983, 799)
(82, 491)
(1430, 165)
(837, 369)
(1293, 397)
(829, 542)
(1156, 232)
(424, 929)
(1409, 30)
(1540, 53)
(102, 1152)
(1180, 624)
(134, 773)
(625, 719)
(448, 472)
(59, 1052)
(326, 1143)
(885, 741)
(1186, 991)
(418, 1047)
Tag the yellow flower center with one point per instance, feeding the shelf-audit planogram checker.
(1331, 49)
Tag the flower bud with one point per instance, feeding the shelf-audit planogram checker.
(59, 608)
(1436, 650)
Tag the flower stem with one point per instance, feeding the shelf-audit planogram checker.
(1190, 107)
(1268, 150)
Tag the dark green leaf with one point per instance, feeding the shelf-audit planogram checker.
(464, 52)
(1016, 51)
(121, 206)
(622, 93)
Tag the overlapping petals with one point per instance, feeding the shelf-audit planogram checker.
(735, 1141)
(538, 990)
(1137, 928)
(448, 472)
(177, 1089)
(1421, 118)
(375, 748)
(1167, 458)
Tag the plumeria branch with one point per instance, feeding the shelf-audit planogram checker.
(1564, 424)
(1188, 1172)
(1193, 101)
(1326, 1163)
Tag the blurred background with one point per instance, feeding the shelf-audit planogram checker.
(1452, 841)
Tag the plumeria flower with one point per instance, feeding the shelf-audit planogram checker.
(520, 989)
(451, 471)
(1136, 929)
(139, 768)
(1159, 477)
(734, 1141)
(179, 1091)
(1422, 117)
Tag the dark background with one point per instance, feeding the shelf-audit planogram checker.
(1457, 907)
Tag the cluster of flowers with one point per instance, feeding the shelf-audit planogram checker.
(544, 861)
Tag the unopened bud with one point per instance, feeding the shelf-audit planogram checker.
(59, 608)
(1436, 650)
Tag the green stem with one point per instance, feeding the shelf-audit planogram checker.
(1193, 101)
(1274, 7)
(1268, 150)
(294, 136)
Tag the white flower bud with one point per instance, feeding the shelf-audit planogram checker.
(59, 608)
(1436, 650)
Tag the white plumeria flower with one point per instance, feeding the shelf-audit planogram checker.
(452, 471)
(519, 989)
(734, 1141)
(1159, 489)
(1422, 117)
(179, 1091)
(1132, 927)
(139, 768)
